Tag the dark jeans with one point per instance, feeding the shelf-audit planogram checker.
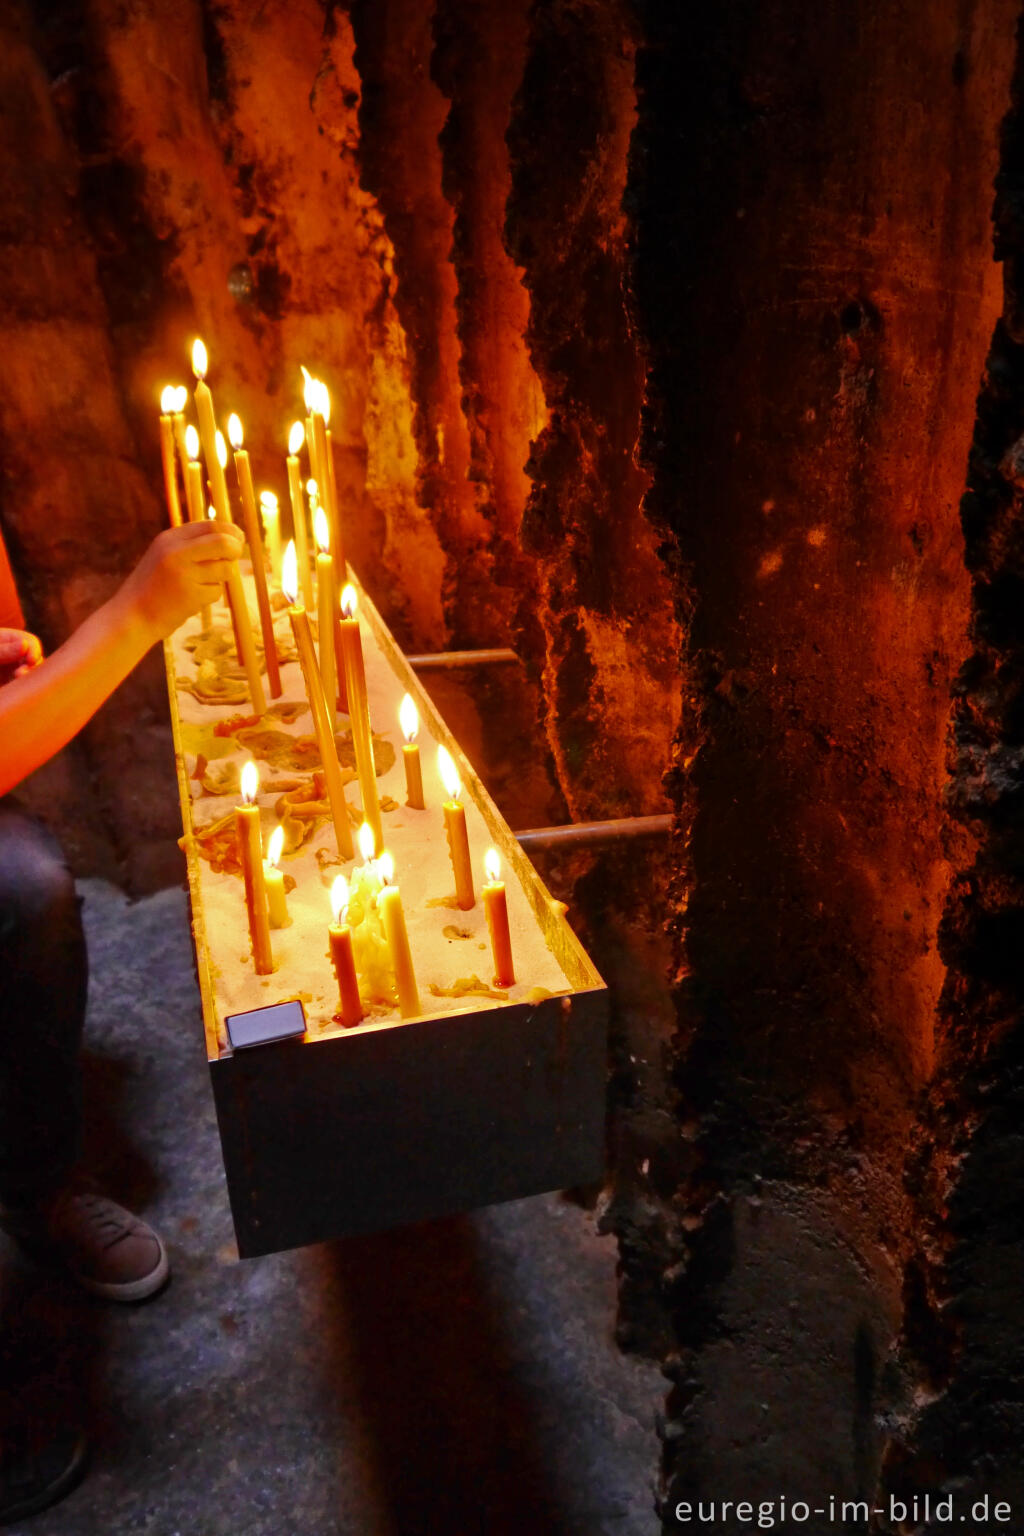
(43, 976)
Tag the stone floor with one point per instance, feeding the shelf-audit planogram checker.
(458, 1377)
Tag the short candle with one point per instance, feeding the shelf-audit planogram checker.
(389, 904)
(250, 853)
(496, 911)
(342, 957)
(273, 879)
(455, 826)
(409, 720)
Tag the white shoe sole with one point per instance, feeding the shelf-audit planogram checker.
(129, 1290)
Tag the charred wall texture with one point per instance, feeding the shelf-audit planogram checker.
(813, 275)
(961, 1343)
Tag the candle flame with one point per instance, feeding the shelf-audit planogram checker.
(315, 395)
(235, 436)
(250, 781)
(222, 450)
(191, 441)
(312, 490)
(180, 396)
(290, 574)
(168, 395)
(268, 500)
(339, 900)
(275, 847)
(449, 773)
(492, 864)
(386, 867)
(296, 438)
(408, 717)
(321, 532)
(199, 359)
(322, 399)
(211, 514)
(364, 837)
(349, 601)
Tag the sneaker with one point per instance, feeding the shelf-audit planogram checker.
(111, 1252)
(35, 1471)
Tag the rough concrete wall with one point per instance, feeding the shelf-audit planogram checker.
(961, 1347)
(815, 287)
(181, 168)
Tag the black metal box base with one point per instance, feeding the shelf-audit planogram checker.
(391, 1125)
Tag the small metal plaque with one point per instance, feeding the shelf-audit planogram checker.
(282, 1021)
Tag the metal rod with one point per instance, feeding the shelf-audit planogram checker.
(593, 834)
(441, 660)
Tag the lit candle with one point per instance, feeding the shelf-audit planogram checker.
(194, 499)
(409, 720)
(455, 826)
(273, 879)
(332, 491)
(334, 686)
(318, 708)
(296, 437)
(310, 396)
(193, 476)
(342, 957)
(259, 570)
(208, 433)
(325, 608)
(318, 404)
(178, 424)
(496, 911)
(167, 402)
(218, 485)
(389, 904)
(250, 852)
(359, 713)
(373, 958)
(271, 514)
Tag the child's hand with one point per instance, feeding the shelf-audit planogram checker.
(19, 653)
(182, 570)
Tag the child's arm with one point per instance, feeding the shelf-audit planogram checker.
(40, 710)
